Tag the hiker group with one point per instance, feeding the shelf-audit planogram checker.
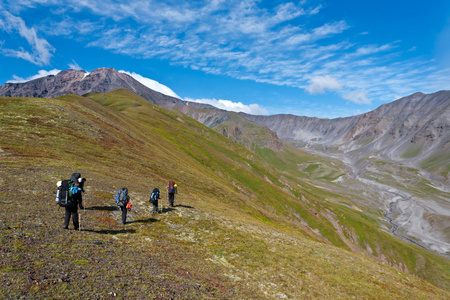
(69, 196)
(155, 195)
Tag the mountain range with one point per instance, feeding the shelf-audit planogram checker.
(413, 130)
(391, 155)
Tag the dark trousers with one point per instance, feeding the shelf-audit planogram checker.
(171, 198)
(71, 211)
(155, 206)
(124, 215)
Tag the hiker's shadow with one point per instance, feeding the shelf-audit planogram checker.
(167, 209)
(107, 208)
(149, 220)
(185, 206)
(108, 231)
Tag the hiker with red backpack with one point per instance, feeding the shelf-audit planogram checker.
(172, 190)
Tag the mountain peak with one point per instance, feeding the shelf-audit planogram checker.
(80, 82)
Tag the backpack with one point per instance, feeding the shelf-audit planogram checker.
(171, 187)
(65, 194)
(75, 177)
(123, 197)
(154, 196)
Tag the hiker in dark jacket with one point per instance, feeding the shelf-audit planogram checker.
(154, 196)
(72, 210)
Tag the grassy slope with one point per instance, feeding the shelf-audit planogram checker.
(358, 228)
(241, 229)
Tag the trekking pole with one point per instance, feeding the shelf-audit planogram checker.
(84, 211)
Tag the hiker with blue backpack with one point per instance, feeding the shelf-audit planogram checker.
(154, 196)
(123, 201)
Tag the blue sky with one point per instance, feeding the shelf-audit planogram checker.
(318, 58)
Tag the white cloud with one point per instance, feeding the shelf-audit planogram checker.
(243, 39)
(41, 49)
(318, 84)
(74, 66)
(372, 49)
(329, 29)
(253, 109)
(152, 84)
(41, 73)
(358, 97)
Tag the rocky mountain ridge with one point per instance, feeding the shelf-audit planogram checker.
(409, 130)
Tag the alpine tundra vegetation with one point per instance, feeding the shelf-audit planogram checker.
(246, 224)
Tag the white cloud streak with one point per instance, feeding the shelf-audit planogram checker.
(152, 84)
(236, 38)
(40, 53)
(358, 97)
(74, 66)
(229, 105)
(41, 73)
(319, 84)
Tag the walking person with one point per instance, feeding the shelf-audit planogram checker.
(172, 190)
(123, 201)
(154, 196)
(68, 196)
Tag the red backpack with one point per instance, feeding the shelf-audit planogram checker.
(171, 187)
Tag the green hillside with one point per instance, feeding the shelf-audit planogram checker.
(247, 225)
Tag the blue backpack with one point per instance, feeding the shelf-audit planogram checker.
(122, 197)
(154, 196)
